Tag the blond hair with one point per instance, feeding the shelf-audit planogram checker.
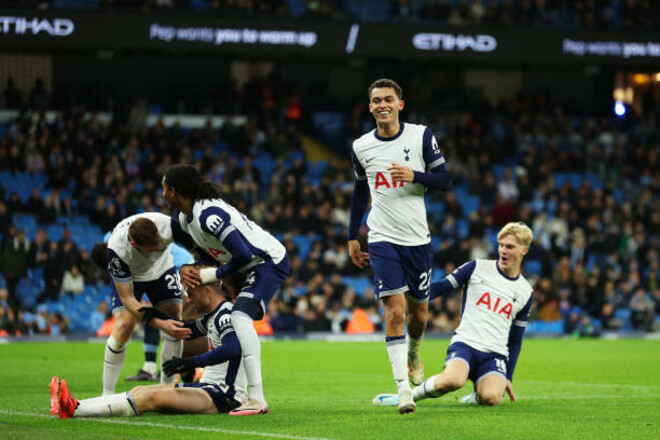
(519, 230)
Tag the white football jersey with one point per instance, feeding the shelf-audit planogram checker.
(216, 325)
(398, 210)
(127, 264)
(492, 302)
(212, 221)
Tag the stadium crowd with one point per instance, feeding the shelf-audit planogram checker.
(585, 184)
(551, 14)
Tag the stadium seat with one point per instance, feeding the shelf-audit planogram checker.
(556, 327)
(470, 204)
(533, 268)
(463, 228)
(358, 284)
(624, 314)
(437, 275)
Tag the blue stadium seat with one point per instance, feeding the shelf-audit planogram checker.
(556, 327)
(470, 204)
(296, 7)
(329, 126)
(436, 210)
(438, 275)
(624, 314)
(55, 232)
(358, 284)
(532, 268)
(303, 244)
(266, 165)
(559, 179)
(463, 228)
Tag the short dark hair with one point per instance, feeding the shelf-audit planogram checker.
(100, 255)
(143, 232)
(384, 82)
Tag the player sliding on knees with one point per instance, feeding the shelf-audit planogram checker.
(240, 247)
(396, 164)
(497, 302)
(221, 389)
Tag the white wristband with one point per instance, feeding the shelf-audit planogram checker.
(207, 275)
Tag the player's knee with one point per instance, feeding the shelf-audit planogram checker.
(490, 399)
(396, 316)
(452, 383)
(123, 331)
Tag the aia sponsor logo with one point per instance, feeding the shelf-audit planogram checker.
(381, 180)
(499, 307)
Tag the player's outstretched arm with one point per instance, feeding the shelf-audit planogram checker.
(227, 350)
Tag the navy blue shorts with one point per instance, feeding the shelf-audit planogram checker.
(164, 290)
(225, 402)
(260, 284)
(481, 364)
(399, 269)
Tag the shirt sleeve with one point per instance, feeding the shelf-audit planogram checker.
(179, 236)
(360, 173)
(118, 269)
(359, 198)
(430, 151)
(454, 280)
(359, 202)
(227, 350)
(216, 222)
(516, 335)
(198, 327)
(438, 176)
(240, 254)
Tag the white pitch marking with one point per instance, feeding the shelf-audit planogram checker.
(595, 385)
(163, 425)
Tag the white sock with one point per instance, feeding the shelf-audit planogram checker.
(398, 352)
(113, 405)
(171, 347)
(251, 347)
(413, 345)
(150, 367)
(115, 353)
(426, 390)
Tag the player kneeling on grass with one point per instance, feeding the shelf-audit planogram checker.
(221, 389)
(496, 305)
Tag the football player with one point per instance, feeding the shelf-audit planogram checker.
(396, 163)
(497, 301)
(221, 388)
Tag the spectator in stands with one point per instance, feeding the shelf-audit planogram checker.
(34, 204)
(642, 310)
(39, 98)
(73, 282)
(58, 324)
(11, 96)
(13, 262)
(507, 188)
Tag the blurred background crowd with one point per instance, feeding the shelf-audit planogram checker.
(73, 163)
(588, 186)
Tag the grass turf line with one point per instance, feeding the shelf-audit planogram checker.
(567, 389)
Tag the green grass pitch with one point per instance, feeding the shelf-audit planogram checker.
(571, 389)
